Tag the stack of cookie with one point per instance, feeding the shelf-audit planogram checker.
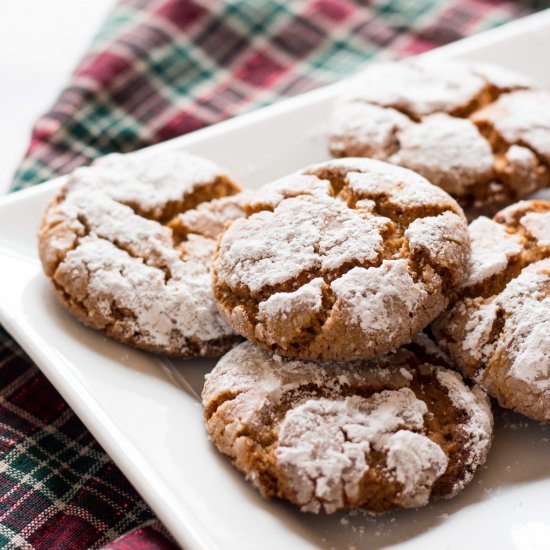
(329, 273)
(344, 278)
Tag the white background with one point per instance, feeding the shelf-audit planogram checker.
(41, 41)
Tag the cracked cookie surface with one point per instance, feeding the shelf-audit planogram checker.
(480, 132)
(373, 434)
(343, 260)
(498, 330)
(127, 244)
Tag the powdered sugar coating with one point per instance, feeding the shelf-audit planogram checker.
(150, 182)
(498, 332)
(286, 188)
(398, 186)
(514, 366)
(441, 239)
(329, 436)
(521, 169)
(367, 130)
(314, 232)
(419, 88)
(531, 333)
(288, 312)
(323, 445)
(373, 298)
(120, 260)
(416, 462)
(538, 225)
(492, 249)
(455, 123)
(359, 228)
(522, 117)
(109, 279)
(209, 219)
(450, 142)
(476, 427)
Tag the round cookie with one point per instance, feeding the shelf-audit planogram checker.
(127, 244)
(498, 331)
(343, 260)
(377, 435)
(478, 131)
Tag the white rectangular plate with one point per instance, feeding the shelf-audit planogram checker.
(145, 412)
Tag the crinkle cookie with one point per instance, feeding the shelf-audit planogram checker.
(480, 132)
(127, 244)
(343, 260)
(498, 331)
(377, 435)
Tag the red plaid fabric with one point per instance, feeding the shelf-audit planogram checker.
(162, 68)
(158, 69)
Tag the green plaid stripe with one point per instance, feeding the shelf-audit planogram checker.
(53, 474)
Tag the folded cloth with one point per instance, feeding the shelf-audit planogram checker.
(158, 69)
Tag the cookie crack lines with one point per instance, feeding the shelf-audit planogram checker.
(518, 167)
(514, 248)
(336, 264)
(481, 96)
(470, 129)
(358, 435)
(498, 329)
(129, 248)
(109, 236)
(492, 91)
(375, 198)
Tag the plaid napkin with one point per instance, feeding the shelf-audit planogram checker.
(158, 69)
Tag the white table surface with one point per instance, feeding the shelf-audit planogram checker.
(41, 41)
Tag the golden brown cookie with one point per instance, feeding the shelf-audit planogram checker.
(498, 331)
(127, 244)
(377, 435)
(343, 260)
(480, 132)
